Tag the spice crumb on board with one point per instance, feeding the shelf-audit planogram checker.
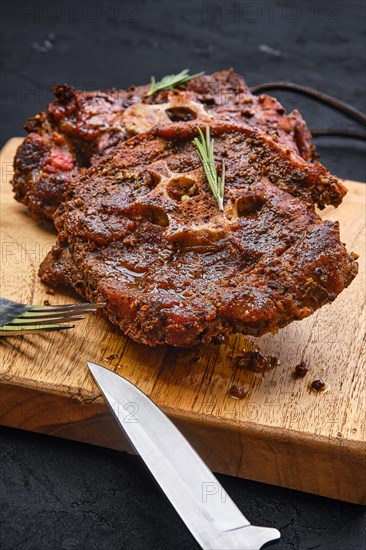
(301, 370)
(110, 357)
(255, 361)
(238, 392)
(47, 303)
(318, 386)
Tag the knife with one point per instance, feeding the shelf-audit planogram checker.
(200, 500)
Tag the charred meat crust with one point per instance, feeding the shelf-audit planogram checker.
(141, 231)
(78, 127)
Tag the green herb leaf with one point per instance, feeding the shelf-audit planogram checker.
(171, 81)
(205, 152)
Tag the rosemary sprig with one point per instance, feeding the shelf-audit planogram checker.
(171, 81)
(205, 151)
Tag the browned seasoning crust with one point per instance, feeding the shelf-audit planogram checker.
(142, 232)
(79, 126)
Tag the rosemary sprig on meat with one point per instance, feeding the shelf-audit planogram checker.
(205, 151)
(171, 81)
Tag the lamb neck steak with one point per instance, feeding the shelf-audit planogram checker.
(141, 231)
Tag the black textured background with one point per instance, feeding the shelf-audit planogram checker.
(59, 494)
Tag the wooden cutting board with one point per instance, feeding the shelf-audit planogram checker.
(282, 433)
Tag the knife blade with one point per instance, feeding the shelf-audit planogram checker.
(198, 497)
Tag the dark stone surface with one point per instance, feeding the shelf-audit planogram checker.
(59, 494)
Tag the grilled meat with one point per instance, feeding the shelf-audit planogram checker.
(77, 127)
(141, 231)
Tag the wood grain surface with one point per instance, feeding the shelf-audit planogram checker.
(282, 433)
